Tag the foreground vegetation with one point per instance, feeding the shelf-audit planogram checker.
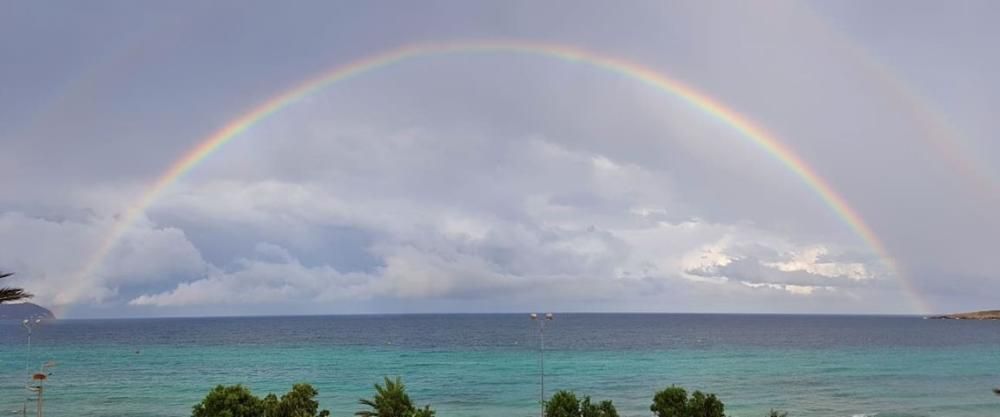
(8, 294)
(391, 400)
(237, 401)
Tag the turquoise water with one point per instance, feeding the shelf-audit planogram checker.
(488, 365)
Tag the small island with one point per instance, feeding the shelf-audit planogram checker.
(976, 315)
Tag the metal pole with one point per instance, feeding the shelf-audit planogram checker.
(27, 369)
(27, 357)
(541, 362)
(541, 359)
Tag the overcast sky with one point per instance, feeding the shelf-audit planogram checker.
(500, 181)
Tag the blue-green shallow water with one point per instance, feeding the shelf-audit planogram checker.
(487, 365)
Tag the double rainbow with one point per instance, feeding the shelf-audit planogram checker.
(709, 106)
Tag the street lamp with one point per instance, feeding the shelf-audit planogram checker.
(541, 358)
(30, 325)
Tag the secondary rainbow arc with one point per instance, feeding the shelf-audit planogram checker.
(708, 105)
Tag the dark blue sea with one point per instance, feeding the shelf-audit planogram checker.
(488, 365)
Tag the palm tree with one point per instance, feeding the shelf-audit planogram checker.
(423, 412)
(391, 400)
(11, 294)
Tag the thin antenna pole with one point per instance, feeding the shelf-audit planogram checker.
(541, 361)
(40, 389)
(27, 369)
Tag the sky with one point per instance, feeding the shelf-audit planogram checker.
(500, 181)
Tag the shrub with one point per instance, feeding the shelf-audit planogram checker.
(238, 401)
(674, 402)
(603, 409)
(670, 402)
(565, 404)
(562, 404)
(702, 405)
(231, 401)
(299, 402)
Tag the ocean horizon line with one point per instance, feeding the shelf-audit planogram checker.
(453, 314)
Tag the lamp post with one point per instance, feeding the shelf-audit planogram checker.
(29, 325)
(541, 358)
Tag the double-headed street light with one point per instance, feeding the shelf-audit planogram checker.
(541, 358)
(29, 324)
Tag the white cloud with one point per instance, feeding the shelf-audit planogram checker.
(790, 288)
(560, 223)
(809, 260)
(48, 255)
(477, 255)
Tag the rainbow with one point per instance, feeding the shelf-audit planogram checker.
(939, 132)
(706, 104)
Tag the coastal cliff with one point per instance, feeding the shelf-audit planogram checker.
(976, 315)
(21, 311)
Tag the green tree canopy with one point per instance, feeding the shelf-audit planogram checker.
(603, 409)
(231, 401)
(565, 404)
(562, 404)
(670, 402)
(299, 402)
(674, 402)
(705, 405)
(238, 401)
(391, 400)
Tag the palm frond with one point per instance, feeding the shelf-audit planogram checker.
(13, 294)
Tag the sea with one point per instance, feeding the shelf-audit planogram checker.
(490, 365)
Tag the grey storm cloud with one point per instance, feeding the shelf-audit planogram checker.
(501, 181)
